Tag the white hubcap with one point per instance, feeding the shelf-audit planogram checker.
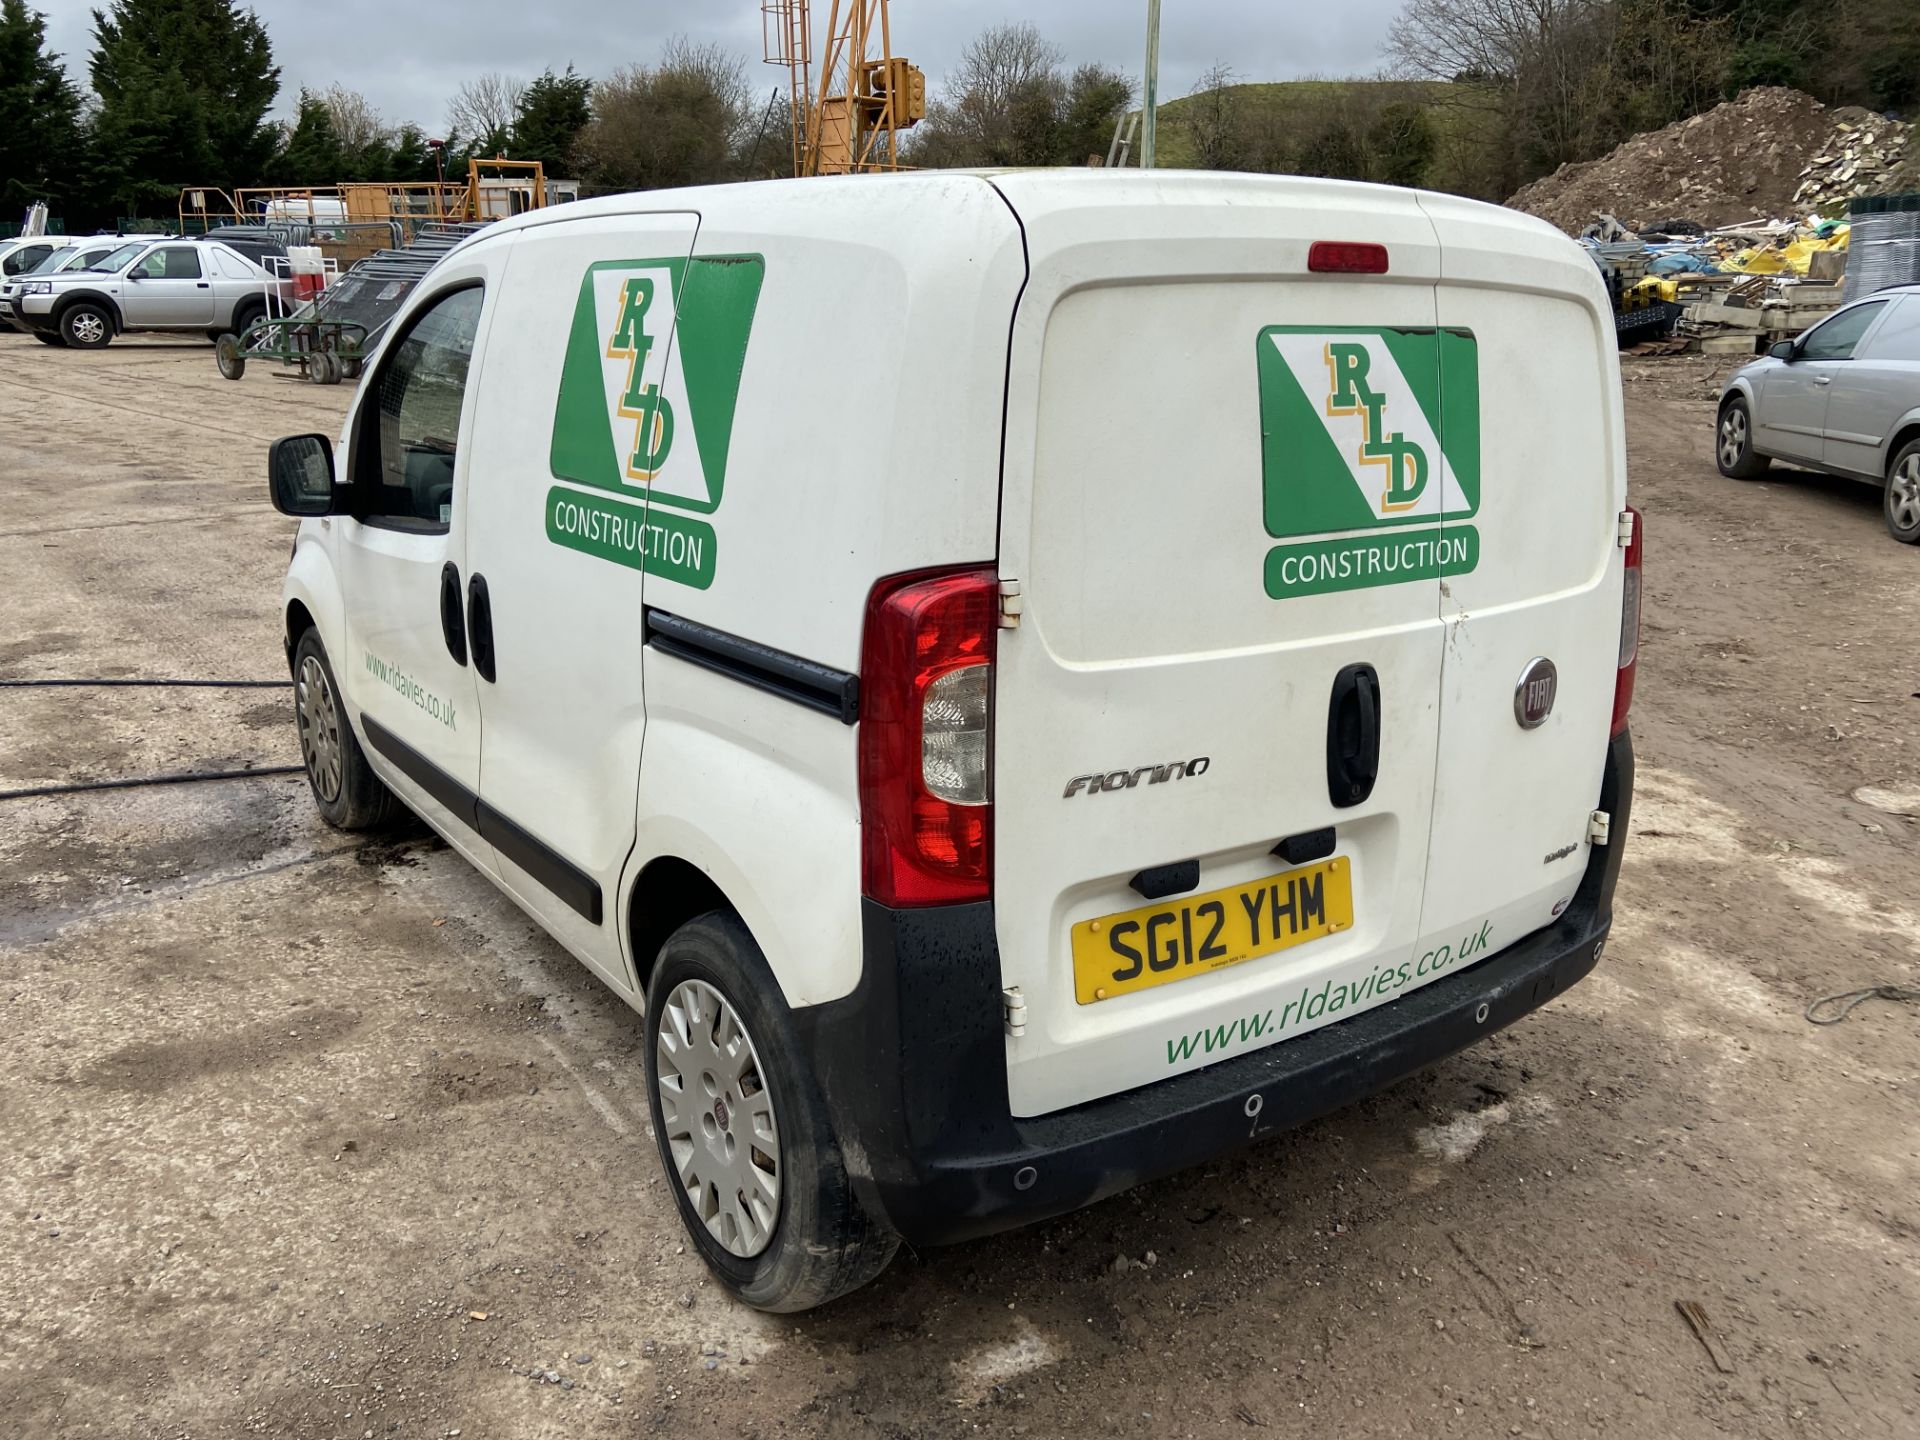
(87, 328)
(319, 729)
(718, 1118)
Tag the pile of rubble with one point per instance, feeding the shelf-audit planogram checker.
(1771, 153)
(1858, 157)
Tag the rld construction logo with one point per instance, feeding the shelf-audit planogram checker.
(1369, 439)
(647, 395)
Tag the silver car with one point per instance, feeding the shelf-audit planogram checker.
(191, 285)
(1843, 398)
(89, 254)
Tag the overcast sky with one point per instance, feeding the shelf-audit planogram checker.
(408, 58)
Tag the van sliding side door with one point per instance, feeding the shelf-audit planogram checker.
(582, 414)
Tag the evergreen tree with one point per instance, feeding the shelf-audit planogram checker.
(313, 155)
(184, 87)
(553, 112)
(40, 135)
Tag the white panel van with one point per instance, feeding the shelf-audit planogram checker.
(1026, 680)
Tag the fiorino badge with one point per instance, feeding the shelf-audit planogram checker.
(1369, 442)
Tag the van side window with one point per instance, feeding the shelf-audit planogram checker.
(407, 455)
(1834, 339)
(25, 258)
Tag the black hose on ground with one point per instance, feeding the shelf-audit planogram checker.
(182, 684)
(180, 777)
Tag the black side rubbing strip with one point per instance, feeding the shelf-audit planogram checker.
(424, 773)
(577, 889)
(804, 682)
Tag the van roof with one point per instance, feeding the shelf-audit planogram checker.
(1027, 190)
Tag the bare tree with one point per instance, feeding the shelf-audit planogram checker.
(1008, 78)
(356, 124)
(1533, 60)
(1214, 122)
(484, 107)
(680, 122)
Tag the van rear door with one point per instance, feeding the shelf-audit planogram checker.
(1514, 790)
(1223, 486)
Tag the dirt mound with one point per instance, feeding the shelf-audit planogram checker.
(1744, 160)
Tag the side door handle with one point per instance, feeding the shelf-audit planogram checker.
(480, 626)
(1353, 735)
(453, 619)
(1823, 379)
(203, 285)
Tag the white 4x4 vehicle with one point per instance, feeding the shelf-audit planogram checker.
(1028, 680)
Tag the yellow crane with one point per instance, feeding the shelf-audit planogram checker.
(866, 94)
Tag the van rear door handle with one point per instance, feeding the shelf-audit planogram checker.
(1353, 735)
(453, 620)
(480, 626)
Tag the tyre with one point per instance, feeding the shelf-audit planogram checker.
(743, 1133)
(46, 339)
(349, 795)
(86, 326)
(350, 367)
(323, 369)
(228, 355)
(1733, 442)
(1902, 503)
(246, 316)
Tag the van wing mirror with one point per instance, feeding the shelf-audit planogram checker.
(300, 475)
(1782, 351)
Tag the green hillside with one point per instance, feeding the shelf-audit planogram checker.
(1400, 131)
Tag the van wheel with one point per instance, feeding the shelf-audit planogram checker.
(1902, 505)
(744, 1135)
(1734, 447)
(86, 327)
(350, 796)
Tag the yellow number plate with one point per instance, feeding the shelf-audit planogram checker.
(1136, 949)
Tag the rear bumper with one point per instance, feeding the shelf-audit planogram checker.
(913, 1065)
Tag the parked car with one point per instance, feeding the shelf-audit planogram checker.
(1134, 695)
(1843, 398)
(90, 253)
(23, 253)
(171, 285)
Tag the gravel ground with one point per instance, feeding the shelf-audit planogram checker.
(307, 1137)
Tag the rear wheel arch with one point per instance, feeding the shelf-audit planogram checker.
(1903, 437)
(667, 893)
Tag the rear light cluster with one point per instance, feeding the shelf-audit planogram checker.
(1629, 628)
(926, 682)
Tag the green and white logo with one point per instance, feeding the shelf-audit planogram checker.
(1370, 442)
(647, 397)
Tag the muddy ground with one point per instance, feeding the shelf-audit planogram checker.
(284, 1115)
